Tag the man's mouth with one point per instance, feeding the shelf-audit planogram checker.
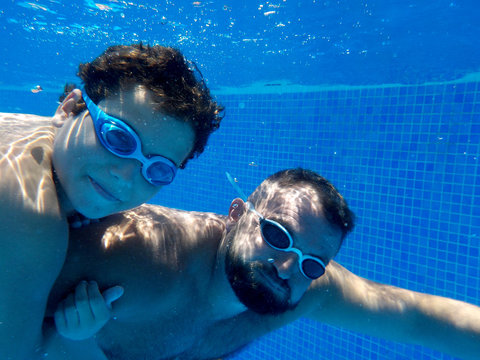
(101, 190)
(271, 280)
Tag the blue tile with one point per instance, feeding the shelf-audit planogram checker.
(406, 159)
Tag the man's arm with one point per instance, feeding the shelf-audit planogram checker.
(358, 304)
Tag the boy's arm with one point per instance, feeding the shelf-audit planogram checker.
(358, 304)
(28, 267)
(34, 236)
(70, 336)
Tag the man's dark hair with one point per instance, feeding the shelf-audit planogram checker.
(334, 205)
(176, 89)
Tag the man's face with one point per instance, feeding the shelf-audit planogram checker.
(98, 183)
(269, 281)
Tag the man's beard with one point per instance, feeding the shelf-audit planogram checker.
(248, 281)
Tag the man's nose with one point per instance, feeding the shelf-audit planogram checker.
(286, 264)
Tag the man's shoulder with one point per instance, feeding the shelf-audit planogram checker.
(158, 227)
(170, 211)
(197, 225)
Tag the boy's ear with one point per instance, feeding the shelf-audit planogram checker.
(237, 209)
(65, 109)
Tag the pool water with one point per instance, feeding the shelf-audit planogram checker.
(407, 160)
(382, 98)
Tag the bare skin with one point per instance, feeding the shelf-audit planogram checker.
(34, 229)
(178, 303)
(34, 206)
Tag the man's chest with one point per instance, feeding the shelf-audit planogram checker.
(183, 335)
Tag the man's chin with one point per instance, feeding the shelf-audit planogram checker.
(255, 286)
(263, 307)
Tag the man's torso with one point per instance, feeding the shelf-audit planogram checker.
(166, 311)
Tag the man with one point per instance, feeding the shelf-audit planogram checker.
(201, 285)
(140, 116)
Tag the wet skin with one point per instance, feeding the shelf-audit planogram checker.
(95, 181)
(172, 264)
(92, 181)
(179, 303)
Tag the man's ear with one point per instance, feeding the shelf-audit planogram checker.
(237, 209)
(65, 109)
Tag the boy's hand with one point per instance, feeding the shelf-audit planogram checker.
(82, 314)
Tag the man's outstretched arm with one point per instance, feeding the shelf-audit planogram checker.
(355, 303)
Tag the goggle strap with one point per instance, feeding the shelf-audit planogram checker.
(95, 112)
(236, 187)
(251, 208)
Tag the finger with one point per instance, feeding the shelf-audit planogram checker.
(70, 102)
(59, 317)
(77, 94)
(82, 301)
(112, 294)
(97, 303)
(71, 313)
(72, 98)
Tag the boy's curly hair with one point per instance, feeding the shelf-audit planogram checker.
(164, 71)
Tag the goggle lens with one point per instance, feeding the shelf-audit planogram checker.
(313, 269)
(121, 140)
(118, 140)
(160, 174)
(275, 236)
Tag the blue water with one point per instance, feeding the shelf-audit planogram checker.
(380, 97)
(236, 43)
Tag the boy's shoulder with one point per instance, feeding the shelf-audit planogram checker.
(19, 132)
(26, 144)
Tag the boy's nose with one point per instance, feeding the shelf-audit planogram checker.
(124, 172)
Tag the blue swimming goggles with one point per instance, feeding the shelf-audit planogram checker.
(278, 238)
(121, 140)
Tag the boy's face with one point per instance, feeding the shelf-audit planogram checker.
(98, 183)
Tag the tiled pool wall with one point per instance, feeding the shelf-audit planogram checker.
(405, 157)
(407, 160)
